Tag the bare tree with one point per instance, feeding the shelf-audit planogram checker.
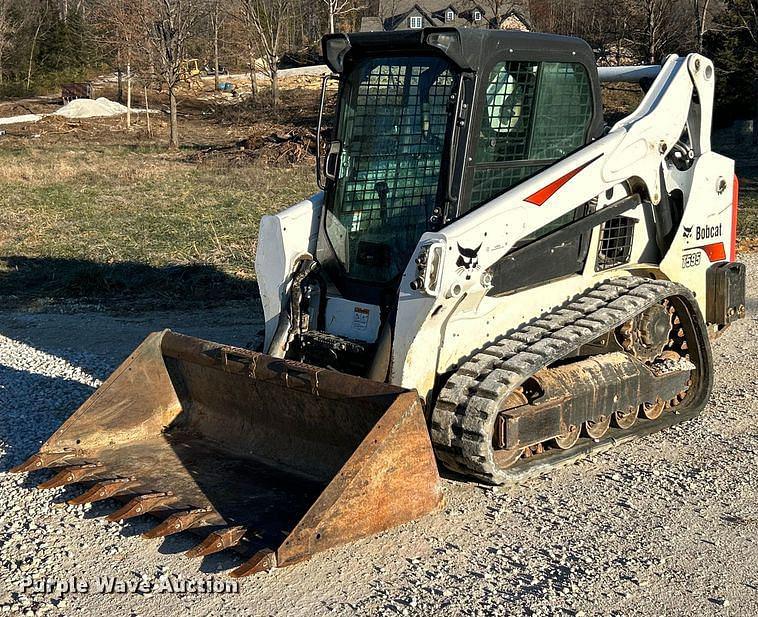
(388, 8)
(558, 16)
(337, 8)
(217, 14)
(120, 29)
(245, 38)
(168, 25)
(7, 28)
(39, 12)
(498, 8)
(65, 7)
(268, 20)
(700, 15)
(661, 28)
(616, 22)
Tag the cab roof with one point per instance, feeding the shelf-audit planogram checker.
(473, 49)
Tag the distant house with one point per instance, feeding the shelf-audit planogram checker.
(388, 15)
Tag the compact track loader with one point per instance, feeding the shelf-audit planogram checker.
(491, 279)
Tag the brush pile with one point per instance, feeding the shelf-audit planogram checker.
(292, 146)
(288, 146)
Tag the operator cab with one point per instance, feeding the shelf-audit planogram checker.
(428, 125)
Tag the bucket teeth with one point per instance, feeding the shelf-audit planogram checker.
(263, 561)
(180, 521)
(69, 475)
(104, 490)
(42, 460)
(142, 504)
(218, 541)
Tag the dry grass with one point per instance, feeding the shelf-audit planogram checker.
(619, 100)
(747, 220)
(38, 167)
(95, 210)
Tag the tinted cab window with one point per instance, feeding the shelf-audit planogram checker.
(535, 113)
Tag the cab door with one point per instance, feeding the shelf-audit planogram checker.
(532, 113)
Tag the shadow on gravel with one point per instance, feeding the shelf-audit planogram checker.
(33, 282)
(130, 290)
(175, 544)
(32, 407)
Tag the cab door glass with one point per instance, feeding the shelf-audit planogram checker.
(563, 111)
(534, 113)
(509, 103)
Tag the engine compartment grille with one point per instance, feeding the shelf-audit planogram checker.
(615, 244)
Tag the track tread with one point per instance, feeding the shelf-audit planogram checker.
(467, 406)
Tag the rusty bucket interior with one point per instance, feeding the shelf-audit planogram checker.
(274, 458)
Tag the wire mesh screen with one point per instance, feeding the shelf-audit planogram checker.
(563, 110)
(534, 114)
(393, 139)
(504, 131)
(490, 182)
(615, 244)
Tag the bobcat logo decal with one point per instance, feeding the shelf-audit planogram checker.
(468, 259)
(687, 231)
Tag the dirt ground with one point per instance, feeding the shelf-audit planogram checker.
(665, 525)
(207, 120)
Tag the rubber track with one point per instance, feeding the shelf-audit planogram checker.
(467, 405)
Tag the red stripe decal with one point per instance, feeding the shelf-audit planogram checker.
(715, 251)
(546, 192)
(735, 203)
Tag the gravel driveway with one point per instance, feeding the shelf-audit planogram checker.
(667, 525)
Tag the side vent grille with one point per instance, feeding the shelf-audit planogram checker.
(615, 244)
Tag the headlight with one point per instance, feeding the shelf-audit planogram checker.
(448, 41)
(429, 268)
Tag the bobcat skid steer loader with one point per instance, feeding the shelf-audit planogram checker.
(491, 278)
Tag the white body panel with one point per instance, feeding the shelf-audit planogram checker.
(707, 220)
(462, 318)
(284, 237)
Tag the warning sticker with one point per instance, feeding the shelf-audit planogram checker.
(360, 318)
